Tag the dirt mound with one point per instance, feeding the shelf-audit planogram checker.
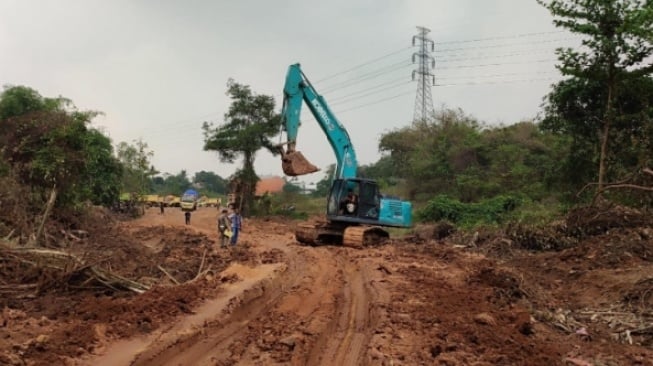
(596, 220)
(68, 318)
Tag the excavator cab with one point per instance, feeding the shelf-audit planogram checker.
(354, 200)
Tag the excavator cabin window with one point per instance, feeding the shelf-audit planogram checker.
(354, 198)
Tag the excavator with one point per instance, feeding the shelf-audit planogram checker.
(356, 213)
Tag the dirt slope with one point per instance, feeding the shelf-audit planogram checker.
(270, 301)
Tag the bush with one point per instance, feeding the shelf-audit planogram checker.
(491, 211)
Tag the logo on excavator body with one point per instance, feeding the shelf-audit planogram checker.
(323, 113)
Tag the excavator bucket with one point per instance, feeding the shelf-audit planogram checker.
(294, 163)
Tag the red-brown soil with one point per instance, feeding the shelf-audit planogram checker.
(271, 301)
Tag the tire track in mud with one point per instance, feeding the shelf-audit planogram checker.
(346, 339)
(314, 312)
(212, 342)
(321, 302)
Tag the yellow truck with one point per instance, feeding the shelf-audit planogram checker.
(189, 200)
(172, 201)
(209, 202)
(152, 200)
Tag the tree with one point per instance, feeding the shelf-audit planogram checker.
(21, 100)
(211, 182)
(47, 144)
(617, 43)
(292, 186)
(455, 156)
(104, 176)
(323, 187)
(248, 126)
(432, 154)
(176, 184)
(573, 108)
(136, 162)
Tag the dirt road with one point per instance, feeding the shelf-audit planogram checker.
(270, 301)
(313, 308)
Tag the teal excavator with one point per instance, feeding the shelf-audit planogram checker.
(356, 212)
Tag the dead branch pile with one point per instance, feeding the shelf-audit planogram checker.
(30, 271)
(597, 220)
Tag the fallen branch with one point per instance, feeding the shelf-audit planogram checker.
(48, 208)
(9, 235)
(200, 275)
(201, 263)
(645, 330)
(168, 274)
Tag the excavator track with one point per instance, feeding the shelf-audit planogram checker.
(364, 236)
(351, 236)
(306, 234)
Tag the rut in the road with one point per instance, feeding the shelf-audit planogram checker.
(316, 313)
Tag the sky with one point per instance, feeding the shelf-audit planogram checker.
(159, 69)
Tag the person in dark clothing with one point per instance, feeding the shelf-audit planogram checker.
(187, 215)
(349, 205)
(161, 205)
(224, 227)
(236, 224)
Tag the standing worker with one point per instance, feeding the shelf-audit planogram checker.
(161, 205)
(224, 228)
(236, 224)
(187, 214)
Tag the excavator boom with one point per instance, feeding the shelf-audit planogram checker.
(298, 90)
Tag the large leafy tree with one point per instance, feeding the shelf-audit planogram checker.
(433, 154)
(48, 146)
(616, 48)
(248, 127)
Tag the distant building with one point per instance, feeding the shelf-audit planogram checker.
(270, 185)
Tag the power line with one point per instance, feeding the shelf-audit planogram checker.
(370, 75)
(368, 89)
(363, 64)
(502, 45)
(496, 75)
(499, 82)
(371, 93)
(486, 56)
(180, 123)
(497, 64)
(497, 38)
(375, 102)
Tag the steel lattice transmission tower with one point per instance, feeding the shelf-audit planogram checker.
(425, 79)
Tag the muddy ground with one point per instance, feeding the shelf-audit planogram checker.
(491, 298)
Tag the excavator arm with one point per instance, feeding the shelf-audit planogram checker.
(298, 90)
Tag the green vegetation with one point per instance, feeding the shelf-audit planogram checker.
(249, 126)
(48, 147)
(604, 107)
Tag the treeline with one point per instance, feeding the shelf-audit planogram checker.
(49, 152)
(206, 183)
